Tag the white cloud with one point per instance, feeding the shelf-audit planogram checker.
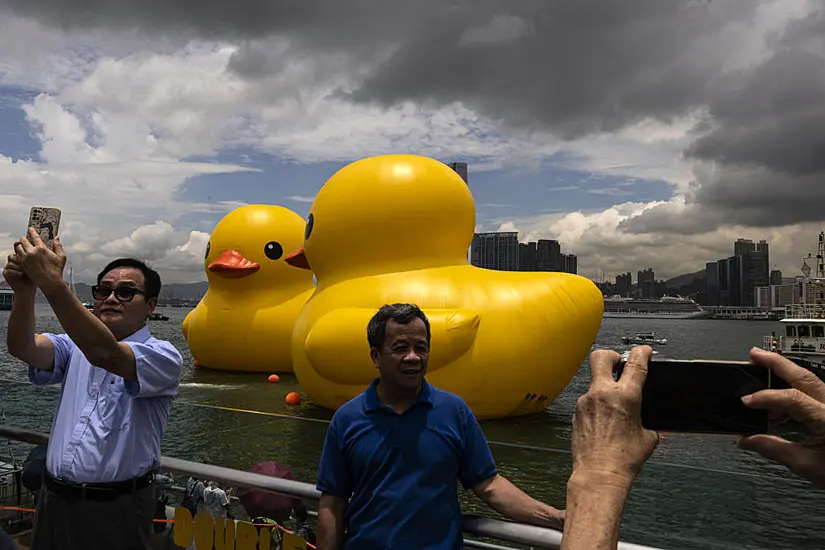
(300, 198)
(603, 249)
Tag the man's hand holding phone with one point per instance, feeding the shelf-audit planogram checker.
(40, 263)
(609, 441)
(804, 402)
(610, 446)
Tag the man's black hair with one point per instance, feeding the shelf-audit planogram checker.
(402, 314)
(151, 276)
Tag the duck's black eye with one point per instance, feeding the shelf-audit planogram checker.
(208, 247)
(273, 250)
(310, 223)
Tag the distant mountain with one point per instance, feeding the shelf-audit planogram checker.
(684, 280)
(185, 291)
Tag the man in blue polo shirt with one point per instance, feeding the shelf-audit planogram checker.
(392, 455)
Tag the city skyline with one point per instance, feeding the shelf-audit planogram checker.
(503, 251)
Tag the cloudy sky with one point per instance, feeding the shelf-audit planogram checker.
(639, 133)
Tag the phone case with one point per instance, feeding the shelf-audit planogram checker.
(46, 221)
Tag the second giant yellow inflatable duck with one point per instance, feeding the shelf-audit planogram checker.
(245, 320)
(397, 228)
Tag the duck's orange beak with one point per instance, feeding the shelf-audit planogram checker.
(298, 259)
(232, 265)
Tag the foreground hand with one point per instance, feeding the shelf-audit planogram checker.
(41, 264)
(609, 441)
(16, 278)
(804, 403)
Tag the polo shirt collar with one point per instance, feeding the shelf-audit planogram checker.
(373, 402)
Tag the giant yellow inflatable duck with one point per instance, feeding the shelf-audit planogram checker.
(244, 321)
(397, 228)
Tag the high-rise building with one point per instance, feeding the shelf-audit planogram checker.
(780, 295)
(624, 284)
(502, 251)
(528, 256)
(775, 277)
(497, 250)
(755, 267)
(548, 255)
(646, 283)
(731, 281)
(712, 284)
(460, 169)
(571, 264)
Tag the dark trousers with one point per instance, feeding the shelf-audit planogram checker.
(6, 543)
(124, 523)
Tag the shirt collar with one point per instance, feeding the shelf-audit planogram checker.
(140, 335)
(373, 403)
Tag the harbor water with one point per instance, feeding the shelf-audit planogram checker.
(696, 492)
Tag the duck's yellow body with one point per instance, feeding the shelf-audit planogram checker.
(397, 228)
(244, 321)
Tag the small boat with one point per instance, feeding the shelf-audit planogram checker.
(158, 317)
(644, 338)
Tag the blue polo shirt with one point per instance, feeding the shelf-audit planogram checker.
(400, 470)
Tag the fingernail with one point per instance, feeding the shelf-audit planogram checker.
(746, 398)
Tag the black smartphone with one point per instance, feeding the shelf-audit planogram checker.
(697, 396)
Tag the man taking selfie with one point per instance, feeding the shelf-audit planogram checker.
(118, 383)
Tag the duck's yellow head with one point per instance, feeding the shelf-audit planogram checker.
(247, 247)
(386, 214)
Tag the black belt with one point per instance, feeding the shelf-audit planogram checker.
(97, 491)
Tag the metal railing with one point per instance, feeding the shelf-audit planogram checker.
(486, 527)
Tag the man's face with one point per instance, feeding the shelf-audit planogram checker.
(402, 360)
(123, 316)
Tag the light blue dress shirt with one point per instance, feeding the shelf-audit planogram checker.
(106, 428)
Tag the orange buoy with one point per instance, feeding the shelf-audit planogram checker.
(274, 379)
(293, 398)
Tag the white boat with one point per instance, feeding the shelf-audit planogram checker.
(804, 338)
(803, 341)
(644, 338)
(669, 307)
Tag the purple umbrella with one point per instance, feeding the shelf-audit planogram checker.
(258, 502)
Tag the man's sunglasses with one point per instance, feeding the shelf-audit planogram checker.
(122, 293)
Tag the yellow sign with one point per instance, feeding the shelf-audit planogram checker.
(220, 533)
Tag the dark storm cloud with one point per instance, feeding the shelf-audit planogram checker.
(570, 67)
(576, 68)
(323, 24)
(765, 155)
(773, 117)
(732, 195)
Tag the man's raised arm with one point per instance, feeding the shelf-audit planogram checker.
(22, 342)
